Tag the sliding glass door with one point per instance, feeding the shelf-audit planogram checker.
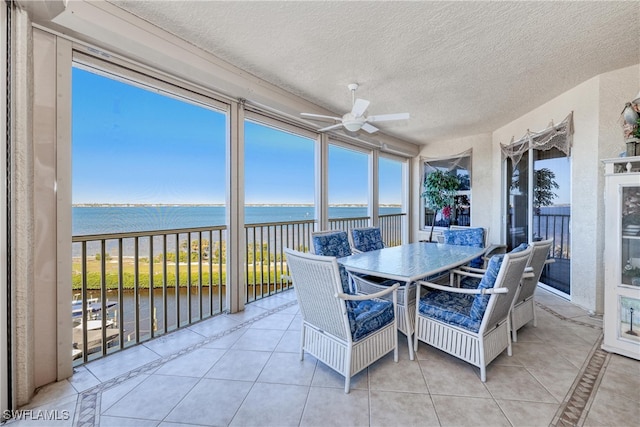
(538, 208)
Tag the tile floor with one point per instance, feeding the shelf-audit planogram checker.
(244, 369)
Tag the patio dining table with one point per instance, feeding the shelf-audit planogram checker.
(406, 264)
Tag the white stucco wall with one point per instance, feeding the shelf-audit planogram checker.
(482, 191)
(596, 106)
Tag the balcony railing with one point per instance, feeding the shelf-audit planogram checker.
(131, 287)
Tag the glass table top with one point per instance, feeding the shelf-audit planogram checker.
(411, 261)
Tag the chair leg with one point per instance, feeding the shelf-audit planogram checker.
(347, 384)
(533, 308)
(483, 374)
(509, 350)
(302, 343)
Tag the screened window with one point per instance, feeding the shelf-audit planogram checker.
(279, 175)
(348, 183)
(460, 212)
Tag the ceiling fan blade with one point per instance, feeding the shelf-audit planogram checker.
(388, 117)
(359, 107)
(319, 116)
(369, 128)
(330, 127)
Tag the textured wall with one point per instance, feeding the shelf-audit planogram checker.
(596, 106)
(22, 214)
(482, 191)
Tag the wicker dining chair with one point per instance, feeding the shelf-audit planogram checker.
(365, 239)
(472, 324)
(523, 310)
(475, 237)
(346, 332)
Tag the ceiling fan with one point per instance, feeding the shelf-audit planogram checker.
(355, 119)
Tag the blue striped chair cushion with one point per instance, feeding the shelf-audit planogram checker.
(368, 316)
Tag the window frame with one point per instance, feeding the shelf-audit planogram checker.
(449, 164)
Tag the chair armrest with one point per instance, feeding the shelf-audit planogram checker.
(495, 247)
(467, 269)
(462, 290)
(479, 274)
(380, 294)
(549, 261)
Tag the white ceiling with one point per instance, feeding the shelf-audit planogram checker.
(459, 68)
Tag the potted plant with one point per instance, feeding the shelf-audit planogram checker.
(440, 189)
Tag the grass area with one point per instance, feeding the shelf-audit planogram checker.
(263, 274)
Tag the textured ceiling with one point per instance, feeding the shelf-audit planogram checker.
(459, 68)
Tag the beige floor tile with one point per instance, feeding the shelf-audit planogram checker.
(54, 413)
(239, 365)
(259, 340)
(327, 377)
(107, 421)
(152, 399)
(540, 356)
(112, 395)
(213, 326)
(121, 362)
(51, 393)
(513, 383)
(277, 405)
(211, 402)
(625, 365)
(469, 411)
(275, 321)
(621, 383)
(558, 382)
(390, 408)
(168, 344)
(287, 368)
(532, 414)
(403, 376)
(290, 342)
(610, 409)
(82, 379)
(193, 364)
(332, 407)
(250, 311)
(226, 341)
(447, 375)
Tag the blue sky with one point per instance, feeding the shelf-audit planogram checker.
(131, 145)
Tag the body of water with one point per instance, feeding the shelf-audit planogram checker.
(122, 219)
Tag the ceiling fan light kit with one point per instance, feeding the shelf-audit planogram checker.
(355, 120)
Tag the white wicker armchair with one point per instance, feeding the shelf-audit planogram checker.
(472, 324)
(524, 306)
(344, 331)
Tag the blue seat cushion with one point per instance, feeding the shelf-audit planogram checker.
(473, 282)
(332, 244)
(337, 245)
(450, 308)
(368, 316)
(367, 239)
(473, 237)
(488, 280)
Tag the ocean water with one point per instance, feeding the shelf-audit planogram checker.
(121, 219)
